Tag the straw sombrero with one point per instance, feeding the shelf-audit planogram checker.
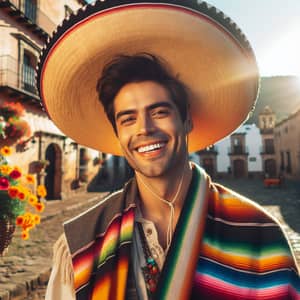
(201, 45)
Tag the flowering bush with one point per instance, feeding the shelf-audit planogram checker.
(18, 203)
(12, 127)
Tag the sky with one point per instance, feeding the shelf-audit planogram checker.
(272, 28)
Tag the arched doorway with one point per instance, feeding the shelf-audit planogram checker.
(270, 167)
(53, 172)
(238, 168)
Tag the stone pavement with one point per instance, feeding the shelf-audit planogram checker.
(25, 269)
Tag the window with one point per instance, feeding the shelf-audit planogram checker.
(264, 123)
(28, 81)
(30, 8)
(236, 142)
(237, 146)
(269, 146)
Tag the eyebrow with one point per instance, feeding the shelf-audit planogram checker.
(150, 107)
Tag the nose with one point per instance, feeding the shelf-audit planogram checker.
(145, 124)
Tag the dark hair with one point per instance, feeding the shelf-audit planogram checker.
(137, 68)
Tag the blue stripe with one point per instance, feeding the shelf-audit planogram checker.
(247, 280)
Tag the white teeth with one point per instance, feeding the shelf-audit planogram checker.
(150, 147)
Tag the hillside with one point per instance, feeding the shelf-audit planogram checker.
(281, 93)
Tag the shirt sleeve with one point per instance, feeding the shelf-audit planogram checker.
(61, 281)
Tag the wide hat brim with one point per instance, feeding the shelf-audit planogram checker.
(200, 44)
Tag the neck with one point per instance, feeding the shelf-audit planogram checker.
(170, 187)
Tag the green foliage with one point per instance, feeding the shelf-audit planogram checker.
(10, 208)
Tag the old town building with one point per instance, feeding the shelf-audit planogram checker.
(267, 121)
(237, 155)
(287, 146)
(58, 162)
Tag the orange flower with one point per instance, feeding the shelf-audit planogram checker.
(30, 179)
(37, 219)
(5, 151)
(41, 191)
(28, 221)
(25, 235)
(19, 220)
(40, 207)
(13, 192)
(5, 169)
(32, 200)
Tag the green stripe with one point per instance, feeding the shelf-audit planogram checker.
(248, 249)
(181, 228)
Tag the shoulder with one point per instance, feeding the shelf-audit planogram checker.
(245, 221)
(237, 207)
(82, 229)
(109, 202)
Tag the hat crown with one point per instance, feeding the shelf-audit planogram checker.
(201, 44)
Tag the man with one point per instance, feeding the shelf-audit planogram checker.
(170, 233)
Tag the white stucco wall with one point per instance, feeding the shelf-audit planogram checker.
(253, 144)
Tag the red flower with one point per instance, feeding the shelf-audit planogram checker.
(20, 220)
(40, 207)
(13, 192)
(21, 196)
(4, 183)
(15, 174)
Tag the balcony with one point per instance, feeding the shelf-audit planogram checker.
(209, 150)
(27, 13)
(267, 130)
(18, 78)
(267, 150)
(238, 150)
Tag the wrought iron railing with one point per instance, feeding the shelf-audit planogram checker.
(16, 75)
(267, 150)
(31, 12)
(238, 150)
(27, 79)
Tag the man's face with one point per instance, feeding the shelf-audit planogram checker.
(150, 130)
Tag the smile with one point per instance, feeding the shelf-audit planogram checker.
(150, 147)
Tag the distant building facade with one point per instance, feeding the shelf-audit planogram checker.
(287, 146)
(267, 150)
(267, 120)
(24, 27)
(238, 155)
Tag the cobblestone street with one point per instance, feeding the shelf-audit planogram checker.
(25, 268)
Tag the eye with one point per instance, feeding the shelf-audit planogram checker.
(160, 113)
(127, 120)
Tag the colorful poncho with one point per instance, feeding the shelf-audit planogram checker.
(224, 247)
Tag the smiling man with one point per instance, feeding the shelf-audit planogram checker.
(170, 233)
